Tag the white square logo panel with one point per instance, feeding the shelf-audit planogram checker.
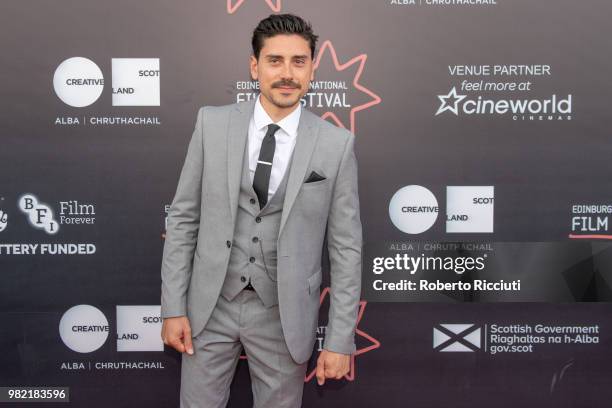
(139, 328)
(469, 209)
(456, 338)
(135, 81)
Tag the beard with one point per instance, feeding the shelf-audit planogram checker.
(284, 101)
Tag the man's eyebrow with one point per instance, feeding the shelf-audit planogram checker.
(271, 56)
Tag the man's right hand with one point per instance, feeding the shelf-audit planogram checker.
(176, 333)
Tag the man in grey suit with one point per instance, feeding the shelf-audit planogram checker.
(263, 182)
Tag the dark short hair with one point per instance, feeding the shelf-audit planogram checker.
(276, 24)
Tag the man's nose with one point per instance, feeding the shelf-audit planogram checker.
(287, 73)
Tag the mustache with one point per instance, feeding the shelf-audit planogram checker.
(285, 84)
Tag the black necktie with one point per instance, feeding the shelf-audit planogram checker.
(261, 180)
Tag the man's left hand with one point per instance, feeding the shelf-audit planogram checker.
(332, 365)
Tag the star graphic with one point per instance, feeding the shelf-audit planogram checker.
(231, 8)
(446, 105)
(373, 343)
(360, 60)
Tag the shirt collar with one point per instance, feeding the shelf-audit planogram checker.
(289, 123)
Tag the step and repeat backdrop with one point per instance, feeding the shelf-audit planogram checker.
(483, 143)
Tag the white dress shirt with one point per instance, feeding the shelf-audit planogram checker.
(285, 142)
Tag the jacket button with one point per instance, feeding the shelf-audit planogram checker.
(252, 259)
(228, 243)
(252, 200)
(255, 239)
(242, 279)
(257, 219)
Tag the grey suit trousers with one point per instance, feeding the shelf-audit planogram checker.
(277, 380)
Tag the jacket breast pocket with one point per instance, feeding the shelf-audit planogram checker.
(313, 200)
(317, 183)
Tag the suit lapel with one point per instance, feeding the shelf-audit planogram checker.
(237, 138)
(307, 135)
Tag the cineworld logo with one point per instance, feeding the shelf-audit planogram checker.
(553, 108)
(456, 337)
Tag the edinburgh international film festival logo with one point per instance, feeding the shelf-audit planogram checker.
(79, 82)
(336, 94)
(590, 221)
(504, 91)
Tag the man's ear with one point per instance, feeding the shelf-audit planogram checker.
(253, 67)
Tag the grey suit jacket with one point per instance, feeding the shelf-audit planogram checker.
(202, 216)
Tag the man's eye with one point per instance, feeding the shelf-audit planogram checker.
(300, 61)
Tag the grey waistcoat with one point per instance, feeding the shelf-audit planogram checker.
(253, 255)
